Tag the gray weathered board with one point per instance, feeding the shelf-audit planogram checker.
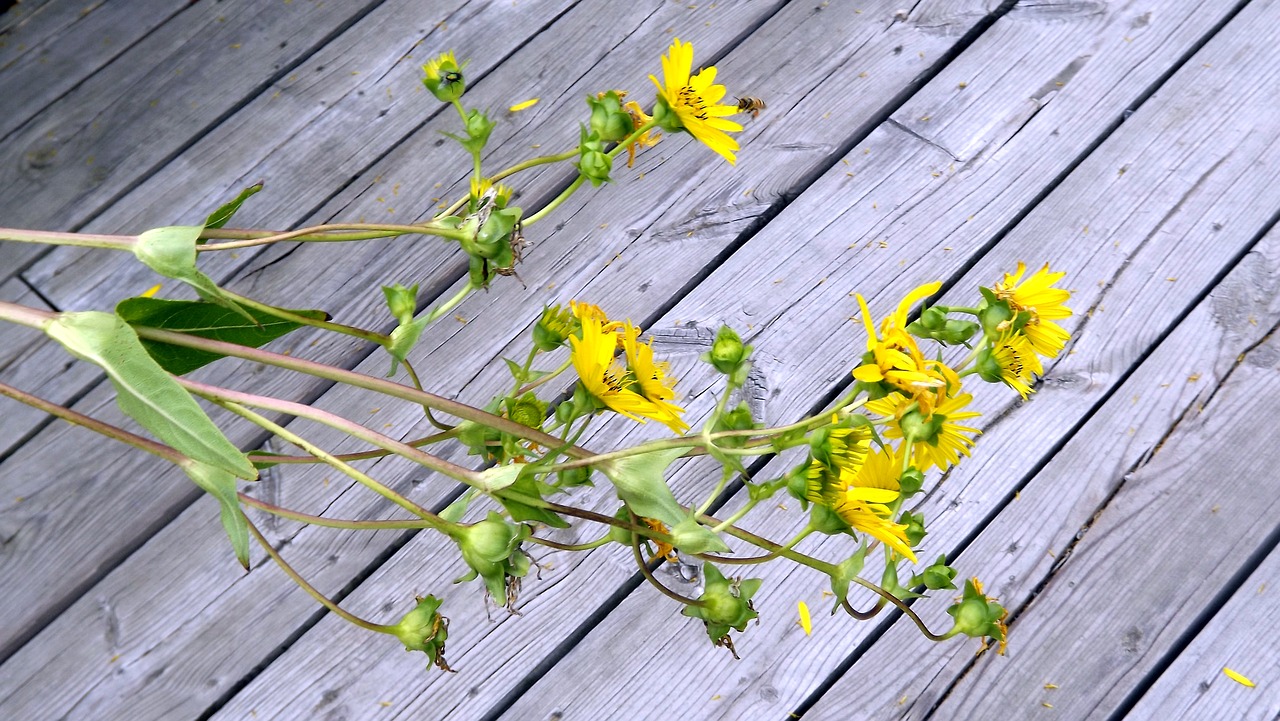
(897, 148)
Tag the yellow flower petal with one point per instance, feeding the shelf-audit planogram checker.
(807, 623)
(524, 105)
(149, 292)
(1237, 677)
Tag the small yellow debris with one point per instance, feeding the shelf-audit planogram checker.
(525, 105)
(235, 46)
(458, 317)
(1193, 377)
(962, 85)
(1046, 704)
(828, 594)
(862, 74)
(902, 700)
(1262, 588)
(782, 506)
(1237, 677)
(114, 658)
(717, 697)
(1051, 686)
(384, 704)
(925, 118)
(1215, 509)
(805, 621)
(150, 292)
(1171, 279)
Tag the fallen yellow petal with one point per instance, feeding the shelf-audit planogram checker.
(805, 622)
(1237, 677)
(151, 291)
(523, 106)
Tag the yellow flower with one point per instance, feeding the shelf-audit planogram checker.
(831, 469)
(648, 139)
(651, 381)
(1019, 365)
(613, 383)
(1044, 303)
(896, 358)
(695, 101)
(936, 438)
(443, 77)
(874, 519)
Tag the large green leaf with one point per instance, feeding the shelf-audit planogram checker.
(222, 486)
(206, 320)
(171, 252)
(641, 483)
(219, 217)
(145, 392)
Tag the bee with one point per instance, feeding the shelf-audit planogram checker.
(748, 104)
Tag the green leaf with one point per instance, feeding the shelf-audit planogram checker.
(171, 252)
(222, 486)
(219, 217)
(206, 320)
(145, 392)
(495, 478)
(640, 482)
(524, 512)
(516, 370)
(692, 537)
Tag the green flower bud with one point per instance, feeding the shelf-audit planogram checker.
(402, 301)
(553, 328)
(936, 577)
(574, 477)
(978, 616)
(987, 366)
(443, 77)
(935, 325)
(491, 548)
(993, 313)
(479, 126)
(910, 482)
(609, 120)
(922, 429)
(593, 163)
(826, 521)
(729, 356)
(915, 531)
(424, 629)
(738, 419)
(527, 410)
(620, 535)
(724, 605)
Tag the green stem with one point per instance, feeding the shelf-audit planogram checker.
(450, 304)
(602, 541)
(361, 333)
(83, 240)
(360, 477)
(226, 395)
(734, 518)
(863, 615)
(804, 533)
(360, 456)
(413, 376)
(23, 315)
(358, 380)
(616, 150)
(555, 202)
(534, 162)
(901, 606)
(330, 522)
(95, 425)
(725, 475)
(653, 581)
(761, 542)
(311, 590)
(318, 234)
(534, 384)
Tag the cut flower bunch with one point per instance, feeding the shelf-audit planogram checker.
(905, 411)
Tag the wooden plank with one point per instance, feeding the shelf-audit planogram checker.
(61, 167)
(1196, 687)
(143, 650)
(145, 505)
(33, 363)
(1182, 524)
(342, 678)
(791, 665)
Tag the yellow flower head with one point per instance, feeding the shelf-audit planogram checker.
(936, 437)
(443, 77)
(695, 101)
(833, 465)
(874, 519)
(895, 358)
(648, 139)
(1015, 355)
(1037, 297)
(612, 382)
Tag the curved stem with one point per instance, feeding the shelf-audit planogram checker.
(450, 304)
(902, 606)
(653, 580)
(536, 383)
(257, 457)
(413, 376)
(311, 590)
(863, 615)
(604, 540)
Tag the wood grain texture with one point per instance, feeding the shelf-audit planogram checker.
(146, 653)
(339, 672)
(790, 659)
(1195, 686)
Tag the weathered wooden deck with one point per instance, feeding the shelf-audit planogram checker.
(1127, 515)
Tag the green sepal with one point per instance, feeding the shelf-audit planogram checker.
(222, 215)
(523, 512)
(640, 482)
(845, 572)
(171, 252)
(936, 577)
